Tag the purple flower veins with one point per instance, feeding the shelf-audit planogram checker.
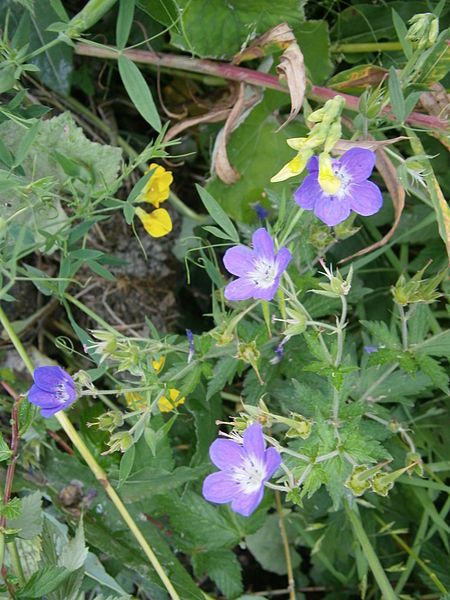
(53, 390)
(243, 471)
(355, 193)
(258, 269)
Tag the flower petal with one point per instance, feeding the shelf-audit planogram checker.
(273, 461)
(358, 163)
(239, 260)
(282, 259)
(245, 504)
(254, 443)
(48, 377)
(220, 488)
(225, 453)
(306, 195)
(332, 211)
(366, 198)
(240, 289)
(313, 164)
(263, 243)
(39, 397)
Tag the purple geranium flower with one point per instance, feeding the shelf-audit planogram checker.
(355, 192)
(244, 470)
(258, 270)
(53, 390)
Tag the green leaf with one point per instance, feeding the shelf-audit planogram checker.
(223, 567)
(266, 545)
(218, 214)
(139, 92)
(124, 22)
(43, 582)
(396, 96)
(234, 23)
(29, 522)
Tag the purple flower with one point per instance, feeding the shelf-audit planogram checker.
(354, 193)
(243, 471)
(53, 390)
(258, 270)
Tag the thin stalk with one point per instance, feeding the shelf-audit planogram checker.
(371, 556)
(235, 73)
(368, 47)
(434, 578)
(287, 552)
(94, 466)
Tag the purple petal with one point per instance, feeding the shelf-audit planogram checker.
(266, 293)
(263, 243)
(358, 163)
(313, 164)
(43, 399)
(220, 488)
(47, 378)
(366, 198)
(239, 260)
(308, 193)
(273, 461)
(254, 443)
(332, 211)
(245, 504)
(282, 259)
(225, 453)
(240, 289)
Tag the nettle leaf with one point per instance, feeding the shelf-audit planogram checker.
(266, 545)
(29, 521)
(223, 567)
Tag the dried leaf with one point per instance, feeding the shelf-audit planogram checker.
(291, 67)
(397, 193)
(343, 145)
(221, 164)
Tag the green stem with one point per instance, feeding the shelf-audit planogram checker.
(94, 466)
(16, 563)
(368, 47)
(369, 553)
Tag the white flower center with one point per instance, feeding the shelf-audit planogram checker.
(61, 393)
(249, 474)
(264, 274)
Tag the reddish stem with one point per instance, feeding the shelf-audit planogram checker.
(235, 73)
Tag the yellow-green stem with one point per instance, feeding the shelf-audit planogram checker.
(93, 465)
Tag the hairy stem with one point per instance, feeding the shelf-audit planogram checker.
(234, 73)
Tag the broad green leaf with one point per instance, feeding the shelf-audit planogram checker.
(139, 92)
(218, 214)
(235, 22)
(124, 22)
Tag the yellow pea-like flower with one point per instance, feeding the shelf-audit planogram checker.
(157, 223)
(157, 188)
(167, 405)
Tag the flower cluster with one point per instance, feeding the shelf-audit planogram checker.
(244, 469)
(157, 223)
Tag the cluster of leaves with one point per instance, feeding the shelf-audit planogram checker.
(385, 408)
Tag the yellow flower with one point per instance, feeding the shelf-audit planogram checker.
(157, 223)
(327, 179)
(166, 405)
(157, 188)
(158, 363)
(135, 400)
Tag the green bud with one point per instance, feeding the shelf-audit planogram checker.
(424, 30)
(120, 441)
